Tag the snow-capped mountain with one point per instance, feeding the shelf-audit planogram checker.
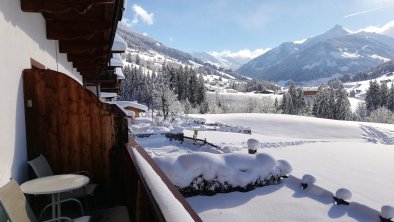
(212, 59)
(152, 55)
(224, 61)
(144, 43)
(333, 53)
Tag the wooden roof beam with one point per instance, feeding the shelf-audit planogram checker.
(77, 47)
(69, 30)
(83, 57)
(90, 69)
(84, 25)
(89, 64)
(60, 6)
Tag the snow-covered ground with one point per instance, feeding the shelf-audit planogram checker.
(354, 102)
(339, 154)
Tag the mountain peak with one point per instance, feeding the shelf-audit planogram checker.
(337, 31)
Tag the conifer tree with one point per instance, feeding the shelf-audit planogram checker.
(276, 105)
(342, 104)
(293, 109)
(324, 103)
(383, 95)
(390, 100)
(372, 100)
(287, 103)
(299, 102)
(193, 87)
(201, 92)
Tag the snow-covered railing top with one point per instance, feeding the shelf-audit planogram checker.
(171, 208)
(172, 204)
(119, 44)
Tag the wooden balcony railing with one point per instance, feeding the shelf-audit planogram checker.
(75, 131)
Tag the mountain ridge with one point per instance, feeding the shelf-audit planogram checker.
(333, 53)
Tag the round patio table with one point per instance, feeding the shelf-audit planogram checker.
(54, 185)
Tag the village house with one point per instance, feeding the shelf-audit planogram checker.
(309, 94)
(57, 57)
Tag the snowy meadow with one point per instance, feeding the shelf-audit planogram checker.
(338, 154)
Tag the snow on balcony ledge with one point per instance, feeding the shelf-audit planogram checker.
(171, 208)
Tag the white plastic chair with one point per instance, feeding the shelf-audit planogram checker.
(16, 208)
(42, 168)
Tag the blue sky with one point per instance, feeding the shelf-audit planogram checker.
(218, 25)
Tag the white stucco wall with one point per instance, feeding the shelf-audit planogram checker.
(22, 36)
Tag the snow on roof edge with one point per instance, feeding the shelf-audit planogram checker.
(119, 74)
(107, 95)
(119, 44)
(136, 105)
(126, 112)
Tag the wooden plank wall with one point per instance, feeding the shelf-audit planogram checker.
(70, 126)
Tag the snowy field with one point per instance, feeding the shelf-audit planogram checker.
(353, 155)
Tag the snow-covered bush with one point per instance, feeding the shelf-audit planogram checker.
(284, 167)
(361, 112)
(306, 180)
(387, 212)
(381, 115)
(166, 124)
(343, 194)
(253, 145)
(207, 173)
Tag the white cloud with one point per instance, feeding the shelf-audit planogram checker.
(387, 29)
(140, 14)
(243, 53)
(145, 34)
(171, 39)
